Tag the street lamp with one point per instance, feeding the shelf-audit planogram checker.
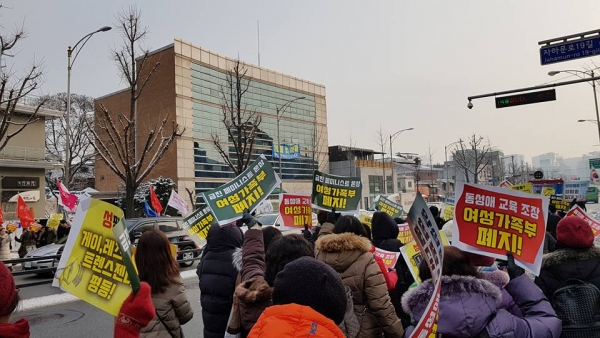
(446, 161)
(70, 62)
(591, 74)
(593, 121)
(280, 111)
(392, 138)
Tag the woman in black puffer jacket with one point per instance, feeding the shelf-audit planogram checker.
(385, 236)
(217, 275)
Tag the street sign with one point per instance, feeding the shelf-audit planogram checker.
(538, 175)
(526, 98)
(570, 50)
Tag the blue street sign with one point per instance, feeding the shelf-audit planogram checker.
(570, 50)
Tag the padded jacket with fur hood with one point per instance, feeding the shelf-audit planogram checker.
(349, 255)
(254, 293)
(174, 310)
(468, 305)
(562, 264)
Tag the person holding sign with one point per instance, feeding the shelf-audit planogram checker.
(158, 268)
(468, 305)
(347, 251)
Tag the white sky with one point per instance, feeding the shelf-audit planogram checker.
(398, 64)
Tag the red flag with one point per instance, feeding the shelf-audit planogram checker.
(155, 201)
(1, 216)
(24, 214)
(66, 199)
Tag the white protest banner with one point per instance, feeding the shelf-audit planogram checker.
(577, 211)
(389, 258)
(178, 203)
(491, 221)
(575, 190)
(427, 237)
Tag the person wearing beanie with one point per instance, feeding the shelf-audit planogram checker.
(575, 257)
(385, 236)
(347, 251)
(309, 300)
(435, 212)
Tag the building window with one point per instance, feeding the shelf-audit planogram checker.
(410, 184)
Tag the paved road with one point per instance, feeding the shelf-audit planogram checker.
(79, 319)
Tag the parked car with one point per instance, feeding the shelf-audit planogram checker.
(591, 195)
(45, 251)
(172, 227)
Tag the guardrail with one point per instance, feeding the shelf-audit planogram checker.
(55, 258)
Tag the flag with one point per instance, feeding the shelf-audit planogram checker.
(24, 214)
(65, 198)
(149, 211)
(1, 216)
(178, 203)
(154, 201)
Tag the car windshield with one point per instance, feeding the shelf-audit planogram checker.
(591, 189)
(267, 219)
(129, 223)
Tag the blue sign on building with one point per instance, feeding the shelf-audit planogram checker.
(287, 152)
(571, 50)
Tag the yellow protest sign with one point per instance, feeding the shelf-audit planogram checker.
(448, 212)
(525, 187)
(365, 219)
(92, 266)
(54, 220)
(548, 191)
(412, 256)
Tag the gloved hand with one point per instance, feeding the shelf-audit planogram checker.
(333, 216)
(513, 270)
(306, 233)
(248, 220)
(136, 312)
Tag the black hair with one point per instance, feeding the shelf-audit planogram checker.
(368, 231)
(456, 262)
(284, 250)
(350, 224)
(270, 234)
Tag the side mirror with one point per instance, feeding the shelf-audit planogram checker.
(135, 235)
(276, 224)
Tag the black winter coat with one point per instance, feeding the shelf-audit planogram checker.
(385, 236)
(562, 264)
(217, 275)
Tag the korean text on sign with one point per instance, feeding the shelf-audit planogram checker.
(388, 258)
(92, 266)
(295, 210)
(496, 220)
(197, 224)
(246, 191)
(389, 207)
(336, 192)
(577, 211)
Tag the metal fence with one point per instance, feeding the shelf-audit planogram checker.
(50, 272)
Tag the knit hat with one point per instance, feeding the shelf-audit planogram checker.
(480, 260)
(383, 226)
(435, 212)
(574, 232)
(8, 291)
(307, 281)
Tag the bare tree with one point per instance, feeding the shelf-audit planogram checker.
(14, 88)
(80, 149)
(380, 139)
(116, 142)
(350, 155)
(472, 158)
(241, 124)
(316, 141)
(430, 154)
(192, 196)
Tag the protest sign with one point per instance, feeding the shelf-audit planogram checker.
(389, 258)
(449, 200)
(197, 224)
(491, 221)
(404, 234)
(412, 256)
(575, 189)
(595, 170)
(447, 212)
(577, 211)
(178, 203)
(341, 193)
(365, 219)
(538, 186)
(264, 207)
(505, 184)
(287, 152)
(548, 191)
(96, 264)
(389, 207)
(295, 210)
(427, 237)
(525, 187)
(54, 221)
(559, 203)
(246, 191)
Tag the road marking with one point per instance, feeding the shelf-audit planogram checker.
(62, 298)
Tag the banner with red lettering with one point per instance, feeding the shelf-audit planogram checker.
(576, 211)
(295, 210)
(389, 258)
(404, 235)
(491, 221)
